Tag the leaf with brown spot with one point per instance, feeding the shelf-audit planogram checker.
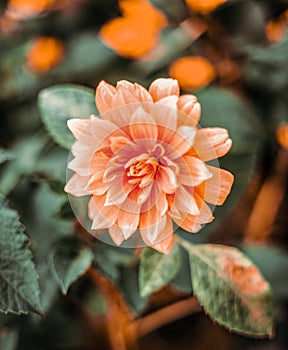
(231, 289)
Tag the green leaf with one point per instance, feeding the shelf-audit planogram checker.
(5, 156)
(59, 103)
(157, 269)
(25, 157)
(69, 260)
(275, 271)
(109, 260)
(19, 287)
(9, 340)
(231, 289)
(182, 280)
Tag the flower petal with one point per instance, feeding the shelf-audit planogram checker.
(116, 234)
(77, 185)
(163, 87)
(128, 222)
(137, 90)
(166, 238)
(101, 216)
(151, 224)
(191, 110)
(166, 179)
(143, 129)
(185, 201)
(104, 96)
(192, 171)
(77, 126)
(211, 143)
(181, 142)
(217, 188)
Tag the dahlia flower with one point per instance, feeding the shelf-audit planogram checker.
(143, 163)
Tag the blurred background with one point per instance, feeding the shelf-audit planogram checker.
(232, 54)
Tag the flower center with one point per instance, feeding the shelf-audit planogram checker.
(141, 170)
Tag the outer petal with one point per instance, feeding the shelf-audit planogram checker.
(137, 90)
(102, 216)
(76, 126)
(188, 222)
(116, 234)
(192, 171)
(163, 87)
(104, 96)
(217, 188)
(191, 110)
(128, 222)
(181, 142)
(151, 224)
(166, 238)
(77, 185)
(212, 143)
(185, 201)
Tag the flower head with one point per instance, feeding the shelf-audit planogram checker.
(192, 72)
(136, 32)
(45, 53)
(143, 162)
(204, 7)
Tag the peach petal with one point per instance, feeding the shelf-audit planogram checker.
(151, 224)
(143, 129)
(188, 222)
(212, 143)
(164, 246)
(80, 166)
(163, 87)
(116, 234)
(101, 216)
(166, 179)
(118, 190)
(124, 97)
(77, 185)
(185, 201)
(165, 238)
(137, 90)
(76, 126)
(191, 110)
(118, 142)
(181, 142)
(104, 96)
(192, 171)
(219, 186)
(128, 222)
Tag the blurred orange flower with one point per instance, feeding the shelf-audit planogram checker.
(26, 8)
(204, 6)
(45, 53)
(144, 163)
(276, 27)
(192, 72)
(282, 135)
(136, 32)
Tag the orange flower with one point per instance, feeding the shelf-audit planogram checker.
(192, 72)
(204, 6)
(45, 53)
(137, 31)
(282, 135)
(26, 8)
(143, 163)
(275, 28)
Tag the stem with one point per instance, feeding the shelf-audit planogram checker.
(166, 315)
(269, 199)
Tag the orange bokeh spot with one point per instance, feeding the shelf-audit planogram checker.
(275, 28)
(192, 72)
(282, 135)
(204, 7)
(26, 8)
(137, 31)
(45, 53)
